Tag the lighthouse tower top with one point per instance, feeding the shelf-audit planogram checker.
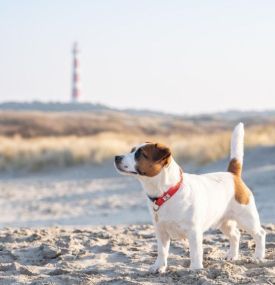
(75, 74)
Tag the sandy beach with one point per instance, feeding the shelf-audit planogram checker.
(122, 255)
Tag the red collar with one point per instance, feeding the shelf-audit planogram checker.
(158, 201)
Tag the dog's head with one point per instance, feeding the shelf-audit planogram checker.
(147, 160)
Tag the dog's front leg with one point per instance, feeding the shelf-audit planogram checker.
(163, 241)
(196, 251)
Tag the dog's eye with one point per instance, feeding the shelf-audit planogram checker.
(137, 154)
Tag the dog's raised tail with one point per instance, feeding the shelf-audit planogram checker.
(236, 153)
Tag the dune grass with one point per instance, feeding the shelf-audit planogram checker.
(37, 153)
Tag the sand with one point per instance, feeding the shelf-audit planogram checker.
(122, 255)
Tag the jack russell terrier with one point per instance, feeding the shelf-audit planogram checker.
(186, 205)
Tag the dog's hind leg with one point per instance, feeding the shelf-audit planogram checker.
(163, 240)
(248, 219)
(230, 230)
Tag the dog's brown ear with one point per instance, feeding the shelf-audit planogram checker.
(161, 152)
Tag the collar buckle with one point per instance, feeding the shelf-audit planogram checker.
(155, 207)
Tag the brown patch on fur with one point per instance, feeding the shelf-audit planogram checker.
(152, 158)
(235, 167)
(242, 193)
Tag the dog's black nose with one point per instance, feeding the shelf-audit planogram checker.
(118, 158)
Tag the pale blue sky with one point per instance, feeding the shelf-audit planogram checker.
(175, 56)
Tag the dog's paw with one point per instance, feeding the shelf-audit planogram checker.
(157, 268)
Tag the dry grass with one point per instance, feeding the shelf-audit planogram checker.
(36, 153)
(34, 140)
(40, 152)
(41, 124)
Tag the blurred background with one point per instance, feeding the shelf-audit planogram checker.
(82, 81)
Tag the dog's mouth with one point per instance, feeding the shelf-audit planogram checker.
(125, 171)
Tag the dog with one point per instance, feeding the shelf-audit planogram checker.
(185, 205)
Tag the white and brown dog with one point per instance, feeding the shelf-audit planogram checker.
(186, 205)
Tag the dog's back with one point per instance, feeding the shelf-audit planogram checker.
(221, 196)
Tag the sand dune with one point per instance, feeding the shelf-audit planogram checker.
(122, 255)
(35, 140)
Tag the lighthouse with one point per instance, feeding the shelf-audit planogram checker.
(75, 74)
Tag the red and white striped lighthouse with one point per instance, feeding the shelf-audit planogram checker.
(75, 75)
